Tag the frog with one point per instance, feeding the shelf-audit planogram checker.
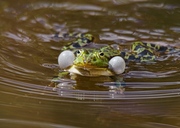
(82, 57)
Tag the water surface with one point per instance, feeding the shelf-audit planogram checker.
(150, 97)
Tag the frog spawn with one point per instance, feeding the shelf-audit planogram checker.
(67, 57)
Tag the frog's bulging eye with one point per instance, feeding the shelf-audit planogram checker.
(77, 52)
(101, 54)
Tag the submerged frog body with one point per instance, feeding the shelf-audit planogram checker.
(78, 58)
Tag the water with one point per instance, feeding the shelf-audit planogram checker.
(152, 92)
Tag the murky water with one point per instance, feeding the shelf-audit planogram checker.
(151, 94)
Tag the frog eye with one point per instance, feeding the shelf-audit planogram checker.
(77, 52)
(101, 54)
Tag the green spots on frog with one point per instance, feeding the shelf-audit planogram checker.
(82, 40)
(99, 57)
(90, 57)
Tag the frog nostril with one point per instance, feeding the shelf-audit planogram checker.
(101, 54)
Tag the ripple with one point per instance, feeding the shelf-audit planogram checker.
(19, 37)
(148, 93)
(66, 5)
(158, 125)
(33, 124)
(175, 29)
(116, 93)
(158, 5)
(112, 36)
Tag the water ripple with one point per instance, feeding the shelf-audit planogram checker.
(114, 93)
(119, 93)
(148, 96)
(34, 124)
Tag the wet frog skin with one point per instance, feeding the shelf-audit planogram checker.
(81, 57)
(98, 58)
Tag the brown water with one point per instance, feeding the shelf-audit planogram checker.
(152, 92)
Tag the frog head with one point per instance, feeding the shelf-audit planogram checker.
(103, 61)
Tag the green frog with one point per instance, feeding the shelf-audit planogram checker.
(84, 57)
(78, 57)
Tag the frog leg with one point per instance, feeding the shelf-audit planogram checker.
(154, 48)
(142, 52)
(55, 80)
(81, 40)
(118, 80)
(147, 52)
(63, 74)
(139, 47)
(118, 86)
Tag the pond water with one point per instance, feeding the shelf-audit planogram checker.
(152, 93)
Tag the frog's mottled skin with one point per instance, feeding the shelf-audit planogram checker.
(95, 57)
(94, 61)
(99, 57)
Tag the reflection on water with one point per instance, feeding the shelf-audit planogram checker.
(21, 123)
(114, 91)
(148, 96)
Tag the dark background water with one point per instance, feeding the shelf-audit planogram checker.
(151, 98)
